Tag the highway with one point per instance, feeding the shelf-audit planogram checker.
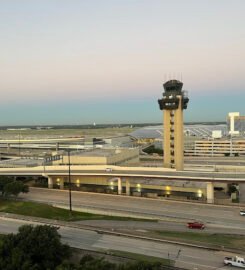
(190, 258)
(202, 161)
(219, 217)
(135, 172)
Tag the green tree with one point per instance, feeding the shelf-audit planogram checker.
(67, 266)
(15, 188)
(90, 263)
(33, 248)
(4, 180)
(232, 189)
(141, 265)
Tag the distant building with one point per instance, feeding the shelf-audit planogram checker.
(217, 134)
(119, 141)
(236, 124)
(221, 147)
(119, 156)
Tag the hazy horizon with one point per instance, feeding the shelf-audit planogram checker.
(80, 62)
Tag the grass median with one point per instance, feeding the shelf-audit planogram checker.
(141, 257)
(47, 211)
(214, 239)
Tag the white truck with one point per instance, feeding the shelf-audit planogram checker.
(235, 261)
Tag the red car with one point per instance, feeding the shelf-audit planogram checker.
(195, 225)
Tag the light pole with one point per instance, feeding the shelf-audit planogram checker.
(19, 144)
(69, 179)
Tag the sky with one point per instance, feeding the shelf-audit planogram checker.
(80, 62)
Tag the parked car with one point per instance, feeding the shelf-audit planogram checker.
(242, 212)
(196, 225)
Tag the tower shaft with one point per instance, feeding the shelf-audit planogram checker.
(178, 138)
(172, 104)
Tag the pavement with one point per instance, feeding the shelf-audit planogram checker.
(141, 226)
(219, 218)
(142, 173)
(186, 257)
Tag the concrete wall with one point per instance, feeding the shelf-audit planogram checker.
(168, 187)
(124, 156)
(83, 160)
(242, 193)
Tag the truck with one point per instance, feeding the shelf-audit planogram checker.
(242, 212)
(235, 261)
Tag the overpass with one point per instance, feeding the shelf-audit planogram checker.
(43, 140)
(142, 175)
(42, 143)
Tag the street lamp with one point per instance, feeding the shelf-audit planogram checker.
(69, 179)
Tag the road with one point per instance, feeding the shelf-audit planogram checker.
(143, 173)
(219, 217)
(202, 161)
(190, 258)
(135, 227)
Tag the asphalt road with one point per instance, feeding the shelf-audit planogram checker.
(219, 217)
(145, 227)
(119, 171)
(202, 161)
(190, 258)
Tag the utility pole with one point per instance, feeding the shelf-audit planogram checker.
(19, 144)
(69, 178)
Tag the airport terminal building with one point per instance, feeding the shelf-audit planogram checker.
(236, 124)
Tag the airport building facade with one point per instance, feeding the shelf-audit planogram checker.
(129, 186)
(212, 148)
(116, 156)
(236, 124)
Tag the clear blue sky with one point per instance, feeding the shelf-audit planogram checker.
(80, 62)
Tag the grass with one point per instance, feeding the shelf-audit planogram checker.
(106, 131)
(141, 257)
(225, 240)
(47, 211)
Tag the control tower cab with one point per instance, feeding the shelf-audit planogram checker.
(172, 104)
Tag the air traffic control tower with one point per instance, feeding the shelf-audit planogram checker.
(173, 103)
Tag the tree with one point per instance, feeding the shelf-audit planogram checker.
(15, 188)
(141, 265)
(232, 189)
(4, 180)
(90, 263)
(33, 248)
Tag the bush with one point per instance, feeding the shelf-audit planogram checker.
(15, 188)
(33, 248)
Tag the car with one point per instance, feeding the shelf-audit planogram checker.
(108, 169)
(195, 225)
(242, 212)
